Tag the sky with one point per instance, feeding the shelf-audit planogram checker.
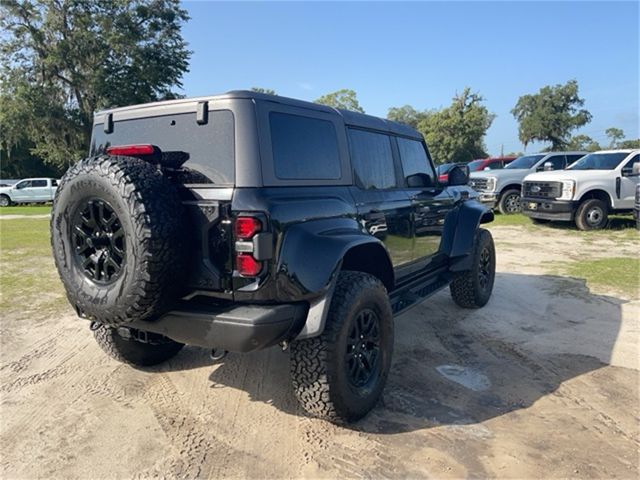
(421, 54)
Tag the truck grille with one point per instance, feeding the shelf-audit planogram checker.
(478, 183)
(542, 189)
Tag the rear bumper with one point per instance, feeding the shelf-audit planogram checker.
(237, 328)
(543, 209)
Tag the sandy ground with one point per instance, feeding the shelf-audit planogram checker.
(542, 382)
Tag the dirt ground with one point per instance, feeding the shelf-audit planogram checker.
(542, 382)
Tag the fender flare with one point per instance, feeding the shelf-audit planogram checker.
(314, 276)
(460, 230)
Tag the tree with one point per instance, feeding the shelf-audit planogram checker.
(64, 59)
(551, 114)
(345, 99)
(407, 115)
(456, 133)
(630, 143)
(268, 91)
(583, 143)
(615, 135)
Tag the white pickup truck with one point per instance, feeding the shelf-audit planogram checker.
(598, 184)
(29, 190)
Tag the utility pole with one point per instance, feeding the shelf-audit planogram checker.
(502, 149)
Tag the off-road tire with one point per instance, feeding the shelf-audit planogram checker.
(319, 365)
(151, 220)
(506, 205)
(467, 288)
(5, 200)
(592, 214)
(134, 352)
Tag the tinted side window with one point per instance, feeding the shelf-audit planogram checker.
(39, 183)
(495, 165)
(629, 165)
(372, 159)
(558, 162)
(414, 158)
(211, 147)
(304, 148)
(54, 183)
(25, 184)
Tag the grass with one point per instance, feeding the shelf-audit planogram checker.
(619, 273)
(29, 283)
(26, 210)
(510, 220)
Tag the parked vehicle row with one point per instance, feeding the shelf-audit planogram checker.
(29, 190)
(502, 189)
(599, 184)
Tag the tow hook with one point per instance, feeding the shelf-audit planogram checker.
(217, 354)
(94, 326)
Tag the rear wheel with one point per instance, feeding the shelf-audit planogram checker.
(509, 202)
(472, 288)
(135, 347)
(5, 200)
(340, 374)
(592, 214)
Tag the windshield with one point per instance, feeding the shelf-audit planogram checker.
(527, 161)
(599, 161)
(475, 165)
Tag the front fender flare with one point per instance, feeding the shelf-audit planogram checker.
(460, 230)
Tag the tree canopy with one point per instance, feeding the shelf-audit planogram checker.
(456, 133)
(406, 115)
(345, 99)
(63, 60)
(551, 114)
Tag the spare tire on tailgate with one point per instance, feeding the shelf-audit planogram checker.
(117, 233)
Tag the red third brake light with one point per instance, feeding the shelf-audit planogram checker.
(131, 150)
(247, 265)
(247, 227)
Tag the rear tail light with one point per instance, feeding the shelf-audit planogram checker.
(247, 265)
(133, 150)
(245, 228)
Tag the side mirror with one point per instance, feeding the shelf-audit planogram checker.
(419, 180)
(548, 166)
(635, 170)
(458, 176)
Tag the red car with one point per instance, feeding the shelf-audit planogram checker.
(492, 163)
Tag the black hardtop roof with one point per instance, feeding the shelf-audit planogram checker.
(354, 119)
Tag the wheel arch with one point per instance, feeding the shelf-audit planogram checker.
(371, 258)
(599, 194)
(460, 230)
(511, 186)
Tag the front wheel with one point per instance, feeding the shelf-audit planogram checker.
(509, 202)
(472, 288)
(592, 214)
(5, 201)
(339, 375)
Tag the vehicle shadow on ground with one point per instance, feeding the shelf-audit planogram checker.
(615, 223)
(458, 367)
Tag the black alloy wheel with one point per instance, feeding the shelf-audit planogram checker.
(363, 349)
(99, 241)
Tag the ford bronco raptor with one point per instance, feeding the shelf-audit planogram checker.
(242, 221)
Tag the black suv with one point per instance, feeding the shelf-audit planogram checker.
(241, 221)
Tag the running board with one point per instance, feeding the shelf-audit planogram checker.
(416, 291)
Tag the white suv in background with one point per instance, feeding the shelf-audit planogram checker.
(502, 188)
(598, 184)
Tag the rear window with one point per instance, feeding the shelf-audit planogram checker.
(210, 146)
(304, 148)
